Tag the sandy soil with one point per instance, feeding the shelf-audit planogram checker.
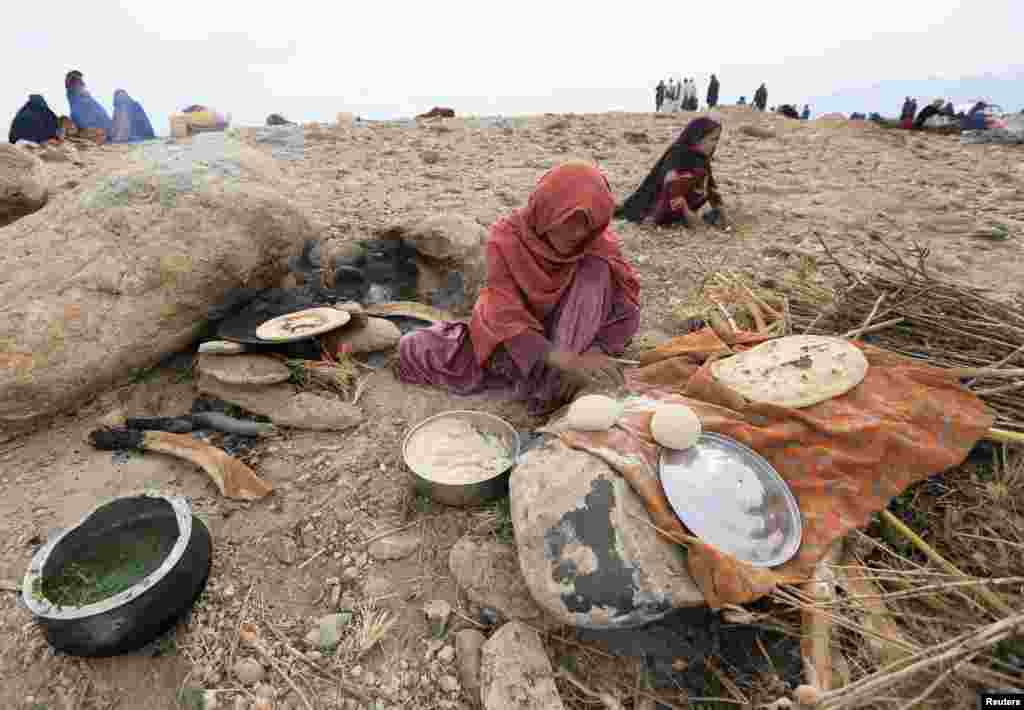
(275, 560)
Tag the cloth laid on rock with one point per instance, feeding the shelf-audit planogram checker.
(536, 298)
(130, 120)
(34, 122)
(844, 459)
(682, 171)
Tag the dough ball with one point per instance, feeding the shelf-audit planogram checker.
(593, 412)
(675, 426)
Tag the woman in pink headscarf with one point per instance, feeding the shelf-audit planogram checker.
(559, 300)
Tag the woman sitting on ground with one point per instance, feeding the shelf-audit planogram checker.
(130, 120)
(559, 299)
(34, 122)
(681, 182)
(86, 112)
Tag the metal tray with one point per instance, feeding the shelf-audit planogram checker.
(732, 498)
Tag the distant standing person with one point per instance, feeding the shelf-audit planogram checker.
(694, 101)
(761, 97)
(713, 92)
(806, 113)
(742, 101)
(659, 95)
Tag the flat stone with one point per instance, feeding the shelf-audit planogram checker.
(249, 369)
(515, 673)
(585, 551)
(395, 547)
(489, 573)
(365, 335)
(282, 405)
(468, 644)
(285, 550)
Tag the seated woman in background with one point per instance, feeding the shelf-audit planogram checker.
(681, 182)
(130, 120)
(559, 299)
(34, 122)
(86, 112)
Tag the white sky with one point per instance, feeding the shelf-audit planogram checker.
(309, 60)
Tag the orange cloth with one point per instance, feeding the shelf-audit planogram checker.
(844, 459)
(526, 277)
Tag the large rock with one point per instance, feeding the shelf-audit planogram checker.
(489, 574)
(364, 335)
(451, 260)
(24, 184)
(282, 405)
(586, 551)
(469, 644)
(515, 673)
(120, 271)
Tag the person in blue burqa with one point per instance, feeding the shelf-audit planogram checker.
(86, 112)
(34, 122)
(130, 120)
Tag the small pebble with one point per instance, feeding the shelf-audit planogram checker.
(266, 691)
(449, 684)
(356, 671)
(249, 671)
(446, 654)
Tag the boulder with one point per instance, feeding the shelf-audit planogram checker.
(24, 184)
(489, 574)
(515, 673)
(587, 554)
(450, 259)
(284, 406)
(250, 369)
(438, 112)
(363, 335)
(117, 273)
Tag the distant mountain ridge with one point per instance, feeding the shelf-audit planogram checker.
(886, 97)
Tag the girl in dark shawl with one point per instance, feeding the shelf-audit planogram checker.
(34, 122)
(681, 182)
(130, 120)
(559, 299)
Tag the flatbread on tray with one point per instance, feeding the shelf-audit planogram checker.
(794, 371)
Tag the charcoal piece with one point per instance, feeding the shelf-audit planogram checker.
(118, 439)
(175, 425)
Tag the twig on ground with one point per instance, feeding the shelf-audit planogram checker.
(316, 554)
(250, 635)
(607, 699)
(994, 601)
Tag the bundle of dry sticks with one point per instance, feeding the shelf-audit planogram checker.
(902, 306)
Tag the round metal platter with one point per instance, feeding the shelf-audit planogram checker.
(732, 498)
(302, 324)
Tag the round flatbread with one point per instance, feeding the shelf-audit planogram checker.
(794, 371)
(301, 325)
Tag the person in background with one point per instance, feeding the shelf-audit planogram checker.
(681, 182)
(761, 97)
(742, 101)
(905, 111)
(713, 88)
(86, 112)
(659, 95)
(34, 122)
(559, 299)
(932, 109)
(130, 122)
(948, 111)
(806, 113)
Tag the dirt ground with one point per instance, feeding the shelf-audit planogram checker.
(279, 560)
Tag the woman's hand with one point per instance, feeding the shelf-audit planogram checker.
(581, 370)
